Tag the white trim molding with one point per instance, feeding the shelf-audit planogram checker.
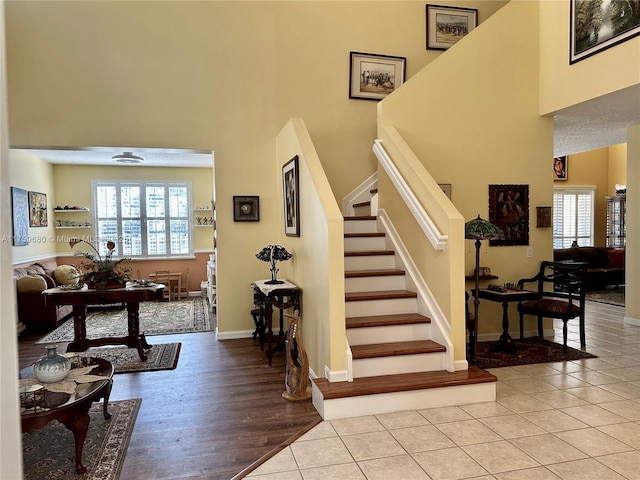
(437, 239)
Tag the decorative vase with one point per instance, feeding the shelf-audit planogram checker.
(53, 367)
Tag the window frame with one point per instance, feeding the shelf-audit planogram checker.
(574, 191)
(144, 185)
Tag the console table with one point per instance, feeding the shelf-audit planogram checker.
(79, 299)
(266, 296)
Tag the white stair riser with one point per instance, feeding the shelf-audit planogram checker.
(360, 226)
(401, 401)
(398, 364)
(372, 284)
(369, 262)
(389, 333)
(380, 307)
(364, 244)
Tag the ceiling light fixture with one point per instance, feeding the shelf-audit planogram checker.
(127, 157)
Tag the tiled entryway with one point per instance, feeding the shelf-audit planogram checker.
(569, 420)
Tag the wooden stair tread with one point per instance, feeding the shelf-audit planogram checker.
(365, 235)
(415, 347)
(373, 273)
(361, 204)
(386, 320)
(368, 253)
(361, 217)
(402, 382)
(379, 295)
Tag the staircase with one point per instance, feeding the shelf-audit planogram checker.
(396, 366)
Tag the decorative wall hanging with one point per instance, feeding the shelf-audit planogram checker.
(560, 168)
(543, 216)
(598, 25)
(447, 25)
(246, 208)
(373, 77)
(20, 216)
(509, 210)
(291, 194)
(37, 209)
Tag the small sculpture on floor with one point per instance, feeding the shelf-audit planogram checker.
(297, 373)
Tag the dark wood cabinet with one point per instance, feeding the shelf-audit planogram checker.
(616, 221)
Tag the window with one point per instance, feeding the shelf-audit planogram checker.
(148, 219)
(573, 216)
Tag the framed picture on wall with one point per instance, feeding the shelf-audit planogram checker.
(246, 208)
(291, 195)
(20, 216)
(560, 168)
(373, 77)
(596, 26)
(447, 25)
(509, 210)
(38, 209)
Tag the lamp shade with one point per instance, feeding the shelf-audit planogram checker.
(273, 252)
(481, 229)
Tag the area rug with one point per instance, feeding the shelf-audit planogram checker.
(611, 297)
(48, 453)
(161, 356)
(530, 350)
(156, 318)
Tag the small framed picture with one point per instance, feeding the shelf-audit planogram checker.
(20, 216)
(38, 209)
(373, 77)
(447, 25)
(291, 194)
(560, 168)
(509, 210)
(543, 216)
(246, 208)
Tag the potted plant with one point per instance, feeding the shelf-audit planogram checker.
(102, 272)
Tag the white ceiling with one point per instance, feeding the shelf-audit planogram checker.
(594, 124)
(597, 123)
(153, 157)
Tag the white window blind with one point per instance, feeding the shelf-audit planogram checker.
(144, 219)
(573, 216)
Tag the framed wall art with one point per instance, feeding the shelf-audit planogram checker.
(373, 77)
(38, 209)
(543, 218)
(560, 168)
(246, 208)
(20, 216)
(291, 195)
(598, 25)
(447, 25)
(509, 210)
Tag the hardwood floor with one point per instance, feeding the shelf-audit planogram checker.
(216, 416)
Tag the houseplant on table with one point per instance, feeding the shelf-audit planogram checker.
(102, 272)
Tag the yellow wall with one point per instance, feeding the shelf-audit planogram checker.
(31, 173)
(219, 76)
(603, 169)
(473, 126)
(562, 84)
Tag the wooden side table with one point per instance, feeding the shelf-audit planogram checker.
(266, 296)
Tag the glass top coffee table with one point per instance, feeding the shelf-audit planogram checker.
(41, 406)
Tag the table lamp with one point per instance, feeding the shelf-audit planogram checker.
(479, 229)
(272, 254)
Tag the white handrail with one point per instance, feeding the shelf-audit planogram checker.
(437, 239)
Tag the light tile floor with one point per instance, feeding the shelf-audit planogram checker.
(568, 420)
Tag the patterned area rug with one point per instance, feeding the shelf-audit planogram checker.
(48, 453)
(156, 318)
(161, 356)
(612, 297)
(530, 350)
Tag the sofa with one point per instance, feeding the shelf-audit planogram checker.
(31, 279)
(605, 266)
